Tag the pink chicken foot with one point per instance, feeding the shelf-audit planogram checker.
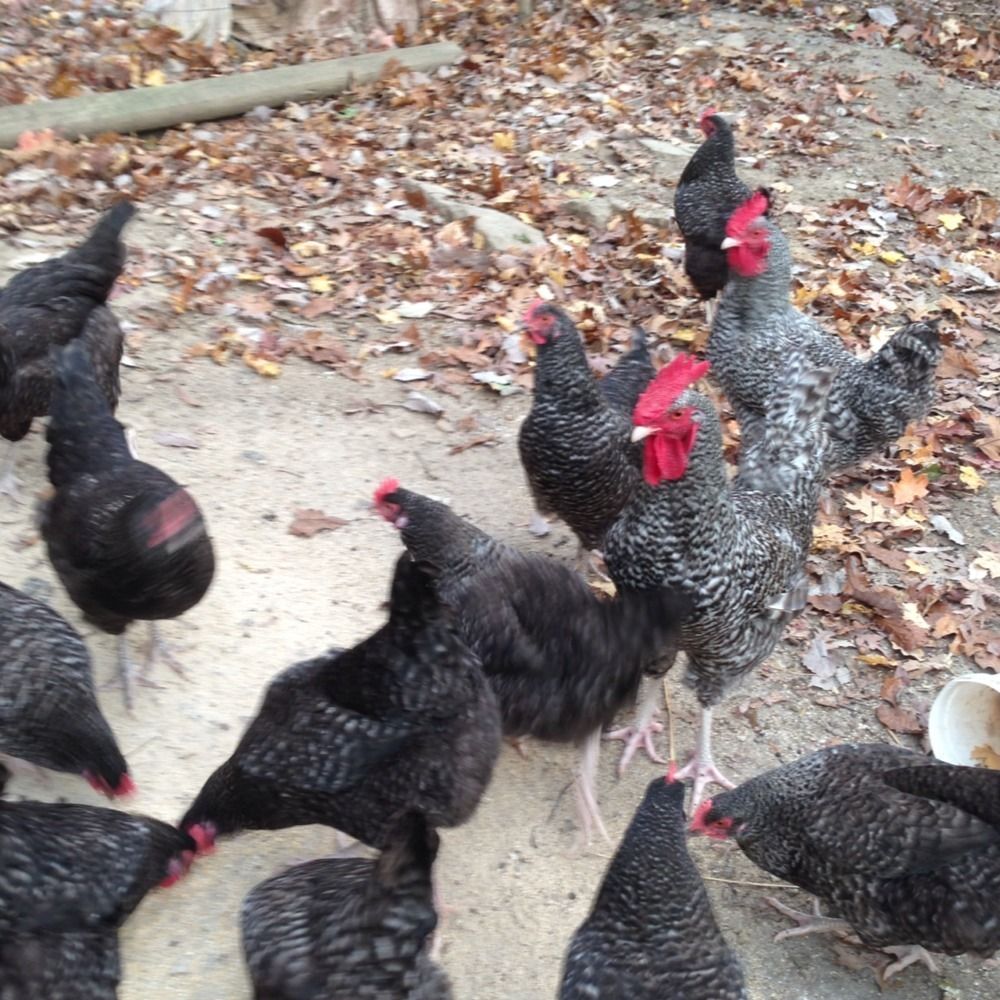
(640, 732)
(701, 767)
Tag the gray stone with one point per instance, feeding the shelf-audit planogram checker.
(500, 231)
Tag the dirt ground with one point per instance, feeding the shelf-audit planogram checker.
(267, 447)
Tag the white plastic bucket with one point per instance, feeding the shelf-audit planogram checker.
(965, 715)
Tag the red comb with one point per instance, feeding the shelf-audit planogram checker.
(698, 824)
(386, 487)
(671, 775)
(126, 786)
(203, 834)
(754, 207)
(671, 381)
(529, 313)
(707, 113)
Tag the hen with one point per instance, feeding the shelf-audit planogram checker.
(562, 659)
(47, 306)
(574, 443)
(404, 720)
(737, 549)
(48, 708)
(348, 929)
(651, 933)
(126, 540)
(871, 402)
(70, 877)
(707, 195)
(903, 849)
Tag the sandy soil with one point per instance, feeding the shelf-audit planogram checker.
(269, 447)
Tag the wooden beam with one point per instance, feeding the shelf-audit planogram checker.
(147, 108)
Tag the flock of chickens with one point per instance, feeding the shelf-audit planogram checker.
(398, 736)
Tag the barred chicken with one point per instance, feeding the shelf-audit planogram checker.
(574, 444)
(736, 549)
(47, 306)
(71, 875)
(126, 540)
(348, 929)
(707, 195)
(404, 720)
(871, 402)
(903, 849)
(562, 659)
(651, 933)
(48, 707)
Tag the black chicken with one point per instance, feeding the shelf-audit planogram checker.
(70, 877)
(48, 708)
(345, 929)
(707, 194)
(574, 444)
(651, 933)
(49, 305)
(903, 849)
(562, 659)
(126, 540)
(404, 720)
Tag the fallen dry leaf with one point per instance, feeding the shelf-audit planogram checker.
(308, 522)
(909, 487)
(899, 720)
(986, 756)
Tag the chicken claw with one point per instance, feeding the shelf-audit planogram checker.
(635, 736)
(907, 954)
(809, 923)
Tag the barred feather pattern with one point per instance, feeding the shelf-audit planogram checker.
(736, 550)
(871, 402)
(349, 929)
(902, 846)
(574, 443)
(69, 966)
(49, 713)
(49, 305)
(403, 720)
(707, 194)
(562, 659)
(651, 933)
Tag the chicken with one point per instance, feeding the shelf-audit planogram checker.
(71, 875)
(736, 549)
(651, 933)
(707, 195)
(903, 849)
(47, 306)
(125, 539)
(574, 443)
(871, 402)
(404, 720)
(562, 659)
(343, 929)
(48, 708)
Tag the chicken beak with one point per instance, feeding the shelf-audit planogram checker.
(641, 433)
(729, 242)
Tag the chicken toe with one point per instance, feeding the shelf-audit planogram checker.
(907, 954)
(640, 732)
(701, 767)
(539, 527)
(808, 923)
(158, 648)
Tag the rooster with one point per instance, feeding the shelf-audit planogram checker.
(126, 540)
(404, 720)
(707, 194)
(736, 549)
(562, 659)
(47, 306)
(48, 708)
(904, 849)
(70, 877)
(651, 933)
(343, 929)
(574, 444)
(871, 402)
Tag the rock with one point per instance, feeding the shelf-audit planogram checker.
(661, 148)
(596, 212)
(500, 231)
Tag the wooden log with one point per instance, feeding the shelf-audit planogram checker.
(217, 97)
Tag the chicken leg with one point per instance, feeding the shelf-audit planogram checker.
(701, 767)
(539, 527)
(808, 923)
(586, 792)
(907, 954)
(640, 732)
(127, 669)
